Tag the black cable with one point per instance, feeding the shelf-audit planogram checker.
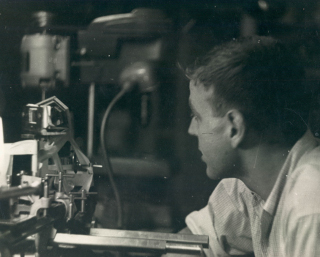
(106, 159)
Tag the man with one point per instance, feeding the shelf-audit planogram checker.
(249, 117)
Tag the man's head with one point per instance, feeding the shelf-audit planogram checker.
(255, 81)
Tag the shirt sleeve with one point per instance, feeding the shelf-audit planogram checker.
(304, 237)
(225, 220)
(301, 219)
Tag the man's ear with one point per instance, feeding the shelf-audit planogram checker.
(237, 127)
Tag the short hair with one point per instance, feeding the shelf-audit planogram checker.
(262, 78)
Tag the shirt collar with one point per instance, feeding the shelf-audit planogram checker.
(289, 165)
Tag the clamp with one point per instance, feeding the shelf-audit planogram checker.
(82, 195)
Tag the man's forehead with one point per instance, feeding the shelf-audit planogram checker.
(198, 90)
(202, 97)
(194, 83)
(191, 104)
(199, 97)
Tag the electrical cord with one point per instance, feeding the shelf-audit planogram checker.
(106, 158)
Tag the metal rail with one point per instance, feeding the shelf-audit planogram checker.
(135, 241)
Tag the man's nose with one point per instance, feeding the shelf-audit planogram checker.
(192, 128)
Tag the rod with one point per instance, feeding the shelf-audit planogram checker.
(19, 191)
(91, 104)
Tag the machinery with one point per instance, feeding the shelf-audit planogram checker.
(49, 210)
(47, 205)
(42, 198)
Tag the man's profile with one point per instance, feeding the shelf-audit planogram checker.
(250, 118)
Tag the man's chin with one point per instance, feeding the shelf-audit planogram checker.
(212, 175)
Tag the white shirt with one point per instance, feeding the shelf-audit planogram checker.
(238, 221)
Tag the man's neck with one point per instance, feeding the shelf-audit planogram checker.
(262, 166)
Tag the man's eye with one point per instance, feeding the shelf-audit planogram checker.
(194, 116)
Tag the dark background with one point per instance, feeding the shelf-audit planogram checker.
(197, 27)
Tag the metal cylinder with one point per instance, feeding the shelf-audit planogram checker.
(18, 191)
(83, 200)
(70, 214)
(38, 59)
(45, 58)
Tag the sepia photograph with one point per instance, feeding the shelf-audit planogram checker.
(159, 128)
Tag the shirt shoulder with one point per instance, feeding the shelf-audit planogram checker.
(302, 192)
(235, 192)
